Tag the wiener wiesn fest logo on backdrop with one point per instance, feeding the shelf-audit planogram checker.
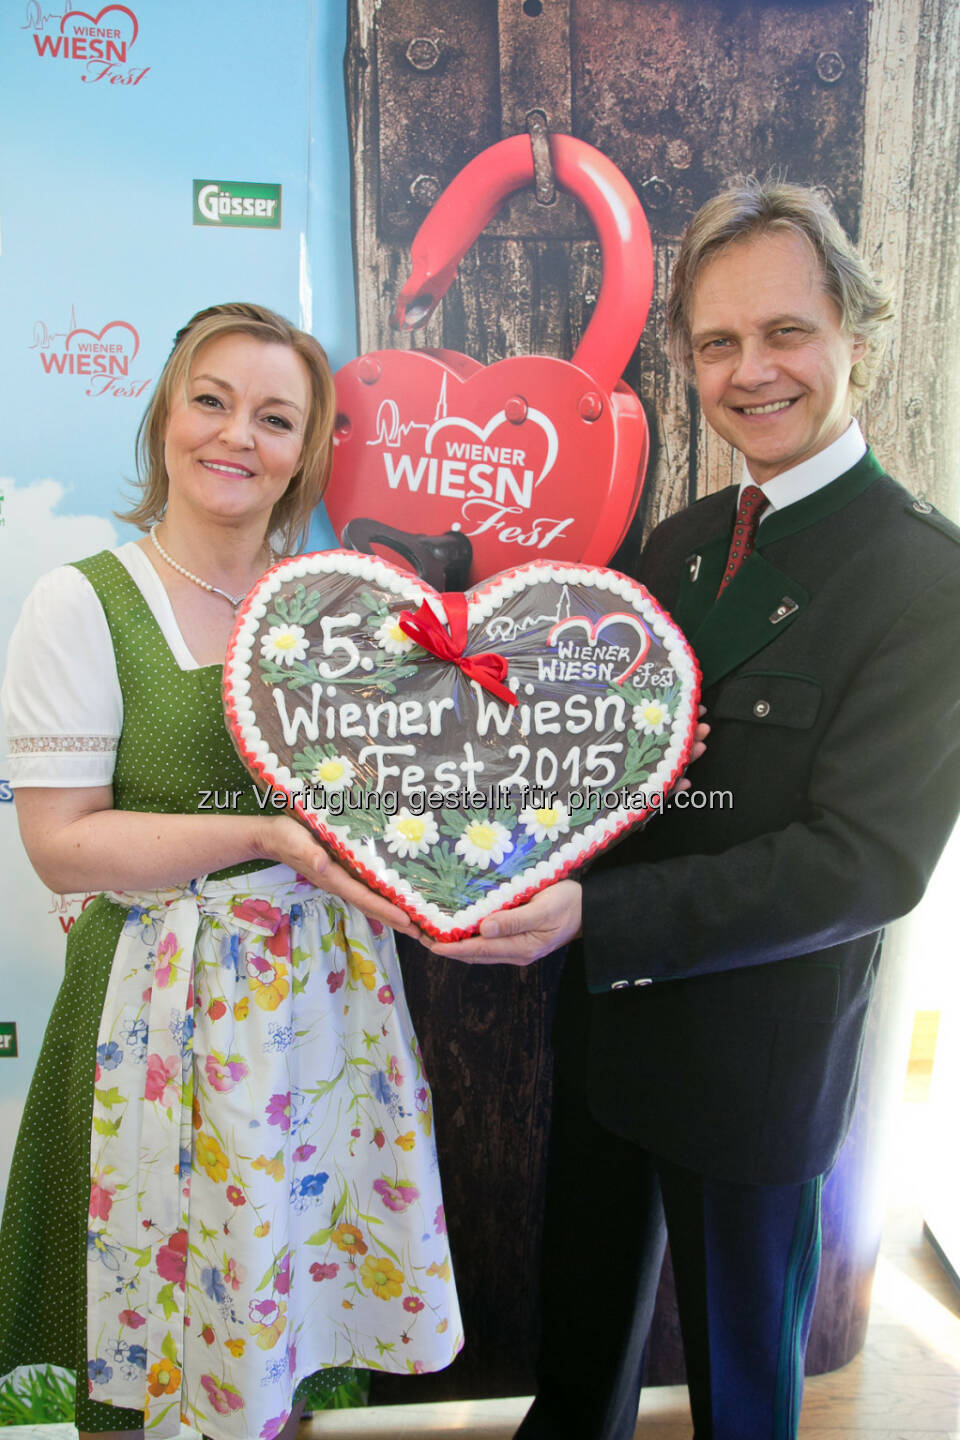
(68, 909)
(99, 47)
(102, 360)
(237, 202)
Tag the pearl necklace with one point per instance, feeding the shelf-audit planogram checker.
(235, 601)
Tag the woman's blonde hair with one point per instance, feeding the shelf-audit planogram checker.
(752, 207)
(290, 520)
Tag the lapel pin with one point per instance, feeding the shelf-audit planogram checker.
(692, 563)
(785, 608)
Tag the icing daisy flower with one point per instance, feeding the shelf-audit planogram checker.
(284, 644)
(651, 716)
(484, 842)
(409, 835)
(334, 773)
(391, 638)
(548, 822)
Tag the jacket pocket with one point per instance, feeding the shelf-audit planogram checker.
(767, 697)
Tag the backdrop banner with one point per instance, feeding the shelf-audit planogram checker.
(159, 157)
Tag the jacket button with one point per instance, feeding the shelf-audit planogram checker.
(620, 985)
(761, 709)
(643, 982)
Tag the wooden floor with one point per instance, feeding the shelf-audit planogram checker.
(905, 1384)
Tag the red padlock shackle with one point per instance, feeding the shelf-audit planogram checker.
(474, 196)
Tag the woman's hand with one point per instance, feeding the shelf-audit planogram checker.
(286, 840)
(77, 842)
(524, 934)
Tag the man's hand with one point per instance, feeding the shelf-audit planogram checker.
(522, 935)
(543, 924)
(699, 746)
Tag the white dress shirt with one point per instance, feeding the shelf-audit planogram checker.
(810, 475)
(61, 702)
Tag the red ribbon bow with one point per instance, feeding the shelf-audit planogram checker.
(488, 669)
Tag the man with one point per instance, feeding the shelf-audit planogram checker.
(729, 954)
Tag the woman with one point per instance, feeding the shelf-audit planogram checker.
(225, 1181)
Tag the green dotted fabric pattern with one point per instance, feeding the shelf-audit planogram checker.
(174, 745)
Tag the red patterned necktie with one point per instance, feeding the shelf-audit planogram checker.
(752, 503)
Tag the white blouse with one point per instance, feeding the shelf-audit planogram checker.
(61, 702)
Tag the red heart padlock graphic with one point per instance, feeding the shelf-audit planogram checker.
(532, 458)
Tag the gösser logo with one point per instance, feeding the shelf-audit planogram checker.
(102, 41)
(236, 202)
(102, 356)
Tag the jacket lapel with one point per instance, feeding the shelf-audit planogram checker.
(700, 580)
(761, 601)
(757, 606)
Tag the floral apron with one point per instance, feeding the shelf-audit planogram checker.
(264, 1197)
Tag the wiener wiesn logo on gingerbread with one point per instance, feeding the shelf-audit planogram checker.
(102, 359)
(99, 45)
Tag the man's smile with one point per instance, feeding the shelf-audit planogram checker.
(771, 407)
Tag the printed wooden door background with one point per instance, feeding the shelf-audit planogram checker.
(858, 97)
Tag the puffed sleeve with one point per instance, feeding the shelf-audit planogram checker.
(61, 702)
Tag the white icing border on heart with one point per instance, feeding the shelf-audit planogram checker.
(484, 600)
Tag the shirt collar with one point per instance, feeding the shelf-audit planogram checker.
(810, 475)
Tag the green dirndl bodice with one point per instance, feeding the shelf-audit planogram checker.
(173, 749)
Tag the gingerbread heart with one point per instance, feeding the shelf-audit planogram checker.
(459, 752)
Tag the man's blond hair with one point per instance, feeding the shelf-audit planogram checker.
(753, 207)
